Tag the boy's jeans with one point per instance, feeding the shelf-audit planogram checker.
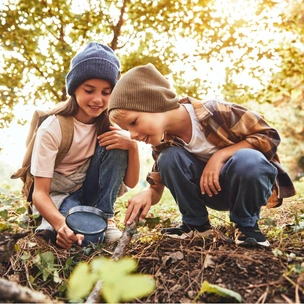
(103, 180)
(246, 181)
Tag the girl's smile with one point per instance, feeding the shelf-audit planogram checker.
(93, 98)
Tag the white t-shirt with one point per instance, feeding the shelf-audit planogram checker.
(198, 144)
(47, 144)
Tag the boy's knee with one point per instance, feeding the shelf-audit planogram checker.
(169, 157)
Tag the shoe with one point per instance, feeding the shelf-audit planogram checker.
(112, 233)
(250, 236)
(184, 230)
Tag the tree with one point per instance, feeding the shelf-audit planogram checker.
(204, 46)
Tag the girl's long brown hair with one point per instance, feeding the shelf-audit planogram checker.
(70, 108)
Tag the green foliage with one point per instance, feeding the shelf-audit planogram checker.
(118, 281)
(13, 211)
(220, 291)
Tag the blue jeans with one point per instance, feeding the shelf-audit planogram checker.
(246, 180)
(100, 188)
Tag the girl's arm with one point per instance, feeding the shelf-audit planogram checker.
(120, 139)
(47, 209)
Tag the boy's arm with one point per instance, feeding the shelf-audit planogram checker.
(141, 203)
(47, 209)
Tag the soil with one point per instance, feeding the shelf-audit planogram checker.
(180, 267)
(260, 275)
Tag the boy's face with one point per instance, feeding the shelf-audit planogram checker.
(143, 126)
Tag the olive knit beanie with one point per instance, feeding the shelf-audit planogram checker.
(143, 89)
(96, 60)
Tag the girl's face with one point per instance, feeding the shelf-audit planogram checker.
(144, 126)
(92, 97)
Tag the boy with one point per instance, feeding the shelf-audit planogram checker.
(207, 153)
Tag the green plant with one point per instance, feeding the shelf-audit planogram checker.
(118, 281)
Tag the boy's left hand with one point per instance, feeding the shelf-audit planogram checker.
(116, 139)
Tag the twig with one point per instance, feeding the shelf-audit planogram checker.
(293, 283)
(11, 291)
(95, 293)
(125, 239)
(119, 252)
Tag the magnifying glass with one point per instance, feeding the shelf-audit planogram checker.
(86, 220)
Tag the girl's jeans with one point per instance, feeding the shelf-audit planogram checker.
(246, 181)
(100, 188)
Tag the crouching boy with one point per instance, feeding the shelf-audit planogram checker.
(207, 153)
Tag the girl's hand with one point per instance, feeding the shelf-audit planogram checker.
(116, 139)
(66, 237)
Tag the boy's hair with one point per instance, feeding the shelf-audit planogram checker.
(143, 89)
(117, 115)
(96, 60)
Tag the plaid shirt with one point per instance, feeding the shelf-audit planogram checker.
(225, 124)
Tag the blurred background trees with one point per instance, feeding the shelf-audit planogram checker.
(248, 52)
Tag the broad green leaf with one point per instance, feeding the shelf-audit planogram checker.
(137, 286)
(127, 287)
(80, 282)
(221, 291)
(110, 270)
(47, 257)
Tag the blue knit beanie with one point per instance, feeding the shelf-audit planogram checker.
(96, 60)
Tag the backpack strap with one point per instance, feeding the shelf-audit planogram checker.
(67, 131)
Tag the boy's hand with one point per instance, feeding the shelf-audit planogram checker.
(66, 237)
(209, 182)
(116, 139)
(139, 204)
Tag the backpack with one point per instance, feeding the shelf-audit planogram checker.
(67, 131)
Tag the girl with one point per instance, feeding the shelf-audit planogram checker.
(101, 156)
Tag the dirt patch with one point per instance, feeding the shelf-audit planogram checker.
(180, 267)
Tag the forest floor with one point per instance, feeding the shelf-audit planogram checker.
(257, 274)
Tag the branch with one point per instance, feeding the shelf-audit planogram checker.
(124, 241)
(119, 252)
(11, 291)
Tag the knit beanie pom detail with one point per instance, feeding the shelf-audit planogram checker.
(94, 61)
(143, 89)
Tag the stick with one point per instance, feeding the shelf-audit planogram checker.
(125, 239)
(13, 292)
(119, 252)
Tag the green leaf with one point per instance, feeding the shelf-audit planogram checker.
(221, 291)
(109, 270)
(45, 274)
(47, 258)
(4, 214)
(80, 282)
(137, 286)
(21, 210)
(4, 227)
